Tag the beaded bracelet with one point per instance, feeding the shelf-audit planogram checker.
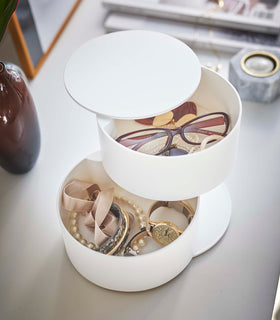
(74, 229)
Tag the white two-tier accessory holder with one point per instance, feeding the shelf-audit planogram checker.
(133, 75)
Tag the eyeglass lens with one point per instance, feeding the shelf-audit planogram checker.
(149, 141)
(207, 125)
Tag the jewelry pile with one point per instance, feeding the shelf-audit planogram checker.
(102, 213)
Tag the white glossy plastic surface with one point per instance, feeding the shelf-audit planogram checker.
(214, 217)
(181, 177)
(153, 269)
(132, 74)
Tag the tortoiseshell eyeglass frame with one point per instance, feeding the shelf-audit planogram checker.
(192, 126)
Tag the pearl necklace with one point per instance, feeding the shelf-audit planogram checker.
(138, 244)
(74, 229)
(137, 210)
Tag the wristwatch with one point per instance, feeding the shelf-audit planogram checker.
(164, 232)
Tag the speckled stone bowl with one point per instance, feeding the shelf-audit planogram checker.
(254, 88)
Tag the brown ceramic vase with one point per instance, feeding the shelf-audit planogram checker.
(19, 126)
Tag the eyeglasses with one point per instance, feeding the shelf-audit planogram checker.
(157, 141)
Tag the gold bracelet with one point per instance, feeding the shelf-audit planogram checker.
(141, 217)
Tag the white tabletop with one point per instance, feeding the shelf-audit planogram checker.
(236, 279)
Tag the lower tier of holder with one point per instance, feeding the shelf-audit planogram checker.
(214, 217)
(153, 269)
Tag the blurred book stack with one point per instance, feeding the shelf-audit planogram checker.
(228, 25)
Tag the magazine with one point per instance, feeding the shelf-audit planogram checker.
(195, 35)
(253, 15)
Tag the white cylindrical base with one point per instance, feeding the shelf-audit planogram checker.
(214, 217)
(153, 269)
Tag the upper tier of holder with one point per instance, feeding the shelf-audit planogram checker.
(138, 74)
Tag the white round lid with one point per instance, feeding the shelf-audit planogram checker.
(132, 74)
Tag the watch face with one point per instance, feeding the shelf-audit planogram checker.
(164, 233)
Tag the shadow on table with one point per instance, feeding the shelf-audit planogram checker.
(58, 291)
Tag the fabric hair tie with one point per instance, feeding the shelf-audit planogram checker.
(87, 198)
